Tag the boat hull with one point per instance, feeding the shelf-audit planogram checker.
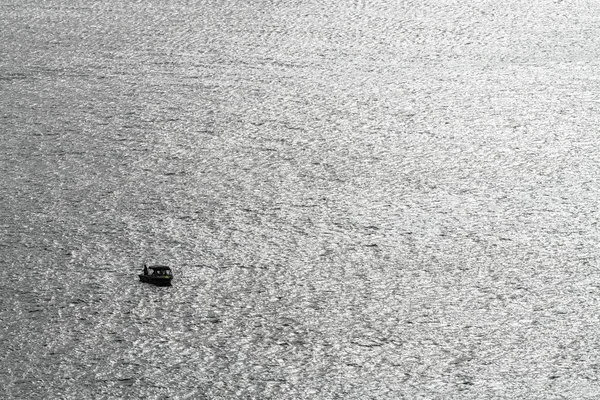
(156, 280)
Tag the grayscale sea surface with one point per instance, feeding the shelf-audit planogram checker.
(361, 199)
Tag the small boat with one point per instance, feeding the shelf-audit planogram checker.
(160, 275)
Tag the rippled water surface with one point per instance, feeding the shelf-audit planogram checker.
(360, 199)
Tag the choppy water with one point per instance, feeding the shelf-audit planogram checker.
(360, 199)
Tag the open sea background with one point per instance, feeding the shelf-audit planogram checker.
(361, 199)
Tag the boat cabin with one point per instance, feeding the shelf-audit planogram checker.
(159, 270)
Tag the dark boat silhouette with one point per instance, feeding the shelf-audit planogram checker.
(160, 275)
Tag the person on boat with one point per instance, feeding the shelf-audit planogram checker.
(145, 270)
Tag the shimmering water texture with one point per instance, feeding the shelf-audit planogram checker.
(359, 199)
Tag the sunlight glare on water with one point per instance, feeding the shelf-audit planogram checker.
(359, 199)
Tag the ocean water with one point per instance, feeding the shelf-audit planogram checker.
(359, 199)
